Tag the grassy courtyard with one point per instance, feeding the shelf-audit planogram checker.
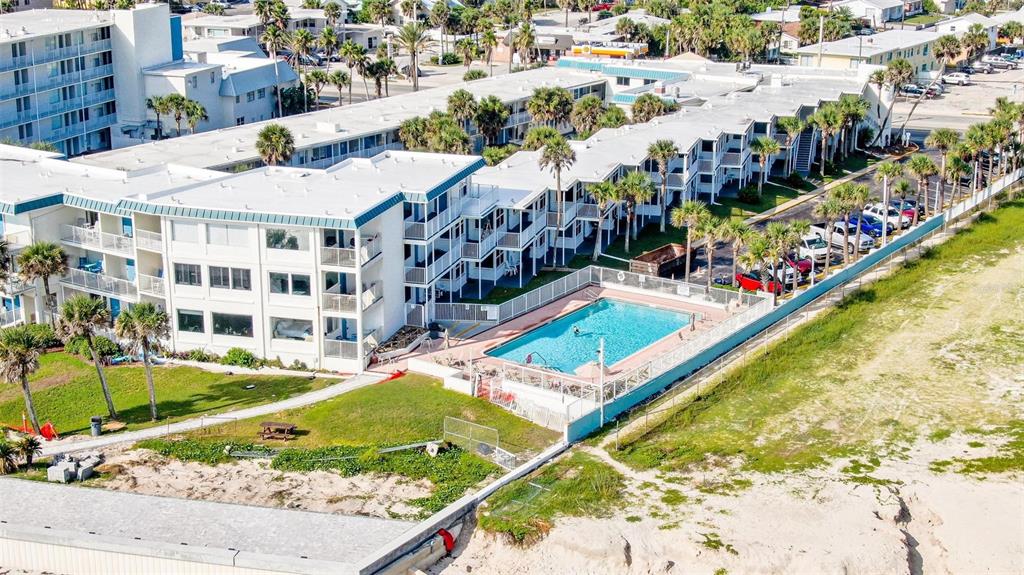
(923, 353)
(66, 391)
(772, 196)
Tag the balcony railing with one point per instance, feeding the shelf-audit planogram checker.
(517, 118)
(14, 285)
(152, 285)
(97, 240)
(339, 303)
(18, 118)
(10, 316)
(18, 240)
(371, 295)
(346, 257)
(521, 239)
(342, 349)
(476, 250)
(479, 201)
(424, 230)
(424, 275)
(100, 283)
(147, 240)
(706, 166)
(83, 128)
(733, 159)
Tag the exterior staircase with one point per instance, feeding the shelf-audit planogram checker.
(805, 151)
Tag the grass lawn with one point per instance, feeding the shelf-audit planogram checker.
(772, 196)
(66, 391)
(406, 410)
(853, 162)
(924, 19)
(923, 352)
(502, 293)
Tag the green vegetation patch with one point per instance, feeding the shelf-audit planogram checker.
(1009, 459)
(575, 486)
(772, 196)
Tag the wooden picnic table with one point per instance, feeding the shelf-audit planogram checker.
(277, 430)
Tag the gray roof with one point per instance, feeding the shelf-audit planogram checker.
(240, 82)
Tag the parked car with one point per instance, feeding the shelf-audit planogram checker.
(752, 281)
(813, 247)
(838, 238)
(865, 31)
(890, 214)
(958, 78)
(982, 67)
(997, 62)
(908, 204)
(911, 90)
(602, 7)
(802, 265)
(787, 273)
(873, 224)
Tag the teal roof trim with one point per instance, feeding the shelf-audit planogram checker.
(235, 216)
(580, 65)
(93, 205)
(644, 73)
(35, 204)
(461, 175)
(378, 209)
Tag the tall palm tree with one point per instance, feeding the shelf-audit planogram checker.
(340, 79)
(663, 152)
(440, 16)
(142, 326)
(302, 42)
(793, 126)
(317, 79)
(81, 316)
(557, 155)
(161, 106)
(711, 230)
(409, 9)
(462, 106)
(263, 10)
(956, 169)
(946, 48)
(585, 114)
(275, 144)
(354, 56)
(758, 253)
(897, 73)
(976, 140)
(604, 193)
(943, 140)
(194, 113)
(332, 13)
(687, 216)
(827, 119)
(797, 230)
(414, 39)
(19, 358)
(858, 197)
(490, 118)
(843, 193)
(8, 452)
(829, 210)
(328, 42)
(523, 41)
(901, 190)
(853, 109)
(765, 148)
(466, 49)
(736, 232)
(177, 104)
(489, 41)
(28, 447)
(634, 188)
(648, 107)
(275, 39)
(886, 173)
(550, 106)
(40, 261)
(923, 168)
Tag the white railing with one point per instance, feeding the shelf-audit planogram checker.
(346, 257)
(371, 295)
(342, 349)
(733, 159)
(336, 302)
(424, 275)
(415, 314)
(100, 283)
(517, 118)
(14, 285)
(476, 250)
(519, 240)
(10, 316)
(152, 285)
(97, 240)
(706, 166)
(426, 229)
(479, 200)
(147, 240)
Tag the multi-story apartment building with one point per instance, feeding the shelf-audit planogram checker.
(915, 46)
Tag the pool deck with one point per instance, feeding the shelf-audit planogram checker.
(475, 346)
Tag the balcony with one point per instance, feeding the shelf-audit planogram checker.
(96, 240)
(371, 295)
(147, 240)
(426, 274)
(430, 227)
(478, 249)
(706, 166)
(18, 240)
(516, 119)
(733, 159)
(81, 128)
(521, 239)
(341, 348)
(54, 54)
(346, 257)
(14, 285)
(19, 118)
(100, 283)
(479, 201)
(152, 285)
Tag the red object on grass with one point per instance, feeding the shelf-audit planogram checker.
(394, 375)
(449, 541)
(49, 432)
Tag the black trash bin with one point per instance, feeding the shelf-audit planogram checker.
(95, 425)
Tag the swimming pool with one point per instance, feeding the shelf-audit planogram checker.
(626, 328)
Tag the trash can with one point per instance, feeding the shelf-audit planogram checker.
(95, 425)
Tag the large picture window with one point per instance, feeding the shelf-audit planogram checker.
(294, 284)
(285, 239)
(285, 328)
(230, 278)
(227, 235)
(191, 321)
(188, 274)
(231, 324)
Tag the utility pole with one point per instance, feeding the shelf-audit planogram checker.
(821, 37)
(600, 377)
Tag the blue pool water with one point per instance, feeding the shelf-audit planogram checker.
(625, 327)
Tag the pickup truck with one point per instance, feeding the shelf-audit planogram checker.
(813, 247)
(837, 237)
(998, 62)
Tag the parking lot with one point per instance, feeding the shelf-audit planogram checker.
(961, 106)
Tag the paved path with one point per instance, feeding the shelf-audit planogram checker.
(355, 382)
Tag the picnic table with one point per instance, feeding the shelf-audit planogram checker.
(277, 430)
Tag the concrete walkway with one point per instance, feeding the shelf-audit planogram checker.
(76, 444)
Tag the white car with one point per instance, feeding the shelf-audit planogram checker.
(998, 62)
(838, 238)
(813, 247)
(890, 215)
(958, 78)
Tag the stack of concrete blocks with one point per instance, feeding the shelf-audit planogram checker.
(68, 468)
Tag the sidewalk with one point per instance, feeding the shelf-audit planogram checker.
(353, 383)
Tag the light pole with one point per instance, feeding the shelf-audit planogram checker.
(600, 376)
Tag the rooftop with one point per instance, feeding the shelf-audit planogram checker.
(232, 21)
(32, 23)
(867, 46)
(880, 4)
(791, 14)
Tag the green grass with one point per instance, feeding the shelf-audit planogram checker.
(798, 406)
(924, 19)
(502, 293)
(772, 196)
(576, 486)
(67, 392)
(854, 162)
(406, 410)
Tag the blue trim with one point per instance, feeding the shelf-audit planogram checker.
(378, 209)
(35, 204)
(461, 175)
(617, 69)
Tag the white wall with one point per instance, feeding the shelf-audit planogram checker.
(141, 38)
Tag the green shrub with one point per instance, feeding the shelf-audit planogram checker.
(241, 358)
(619, 8)
(44, 333)
(199, 355)
(474, 75)
(208, 452)
(495, 155)
(104, 347)
(748, 195)
(298, 365)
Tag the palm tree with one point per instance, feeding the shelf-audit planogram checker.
(332, 13)
(194, 113)
(302, 42)
(736, 232)
(829, 210)
(946, 48)
(853, 109)
(604, 193)
(976, 140)
(943, 140)
(142, 326)
(414, 39)
(489, 41)
(956, 169)
(858, 197)
(781, 239)
(901, 190)
(566, 5)
(793, 126)
(647, 107)
(687, 216)
(897, 73)
(8, 453)
(843, 193)
(19, 358)
(462, 106)
(712, 230)
(634, 188)
(537, 137)
(558, 155)
(550, 106)
(275, 39)
(440, 15)
(409, 9)
(40, 261)
(317, 79)
(28, 447)
(886, 173)
(275, 144)
(827, 119)
(765, 148)
(378, 11)
(177, 103)
(263, 10)
(161, 106)
(797, 230)
(353, 54)
(758, 252)
(80, 316)
(339, 79)
(490, 118)
(523, 41)
(663, 152)
(328, 42)
(585, 114)
(466, 48)
(923, 168)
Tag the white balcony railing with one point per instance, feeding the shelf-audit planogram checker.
(479, 201)
(97, 240)
(346, 257)
(733, 159)
(424, 230)
(18, 240)
(152, 285)
(427, 274)
(10, 316)
(342, 349)
(479, 249)
(371, 295)
(101, 283)
(706, 166)
(147, 240)
(519, 240)
(340, 303)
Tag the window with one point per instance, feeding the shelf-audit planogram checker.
(194, 81)
(230, 278)
(212, 80)
(250, 96)
(621, 81)
(188, 274)
(185, 231)
(294, 284)
(284, 328)
(231, 324)
(282, 239)
(240, 279)
(240, 120)
(261, 93)
(227, 235)
(191, 321)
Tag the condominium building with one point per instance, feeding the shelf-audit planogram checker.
(878, 49)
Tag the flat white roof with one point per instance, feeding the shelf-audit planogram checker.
(880, 4)
(232, 21)
(17, 26)
(792, 14)
(867, 46)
